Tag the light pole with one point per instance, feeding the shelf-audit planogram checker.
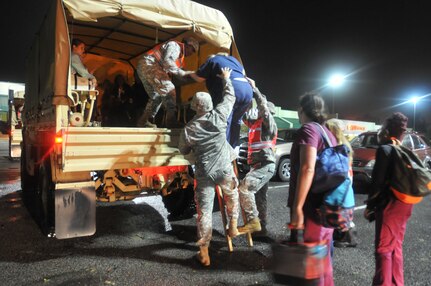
(414, 99)
(335, 81)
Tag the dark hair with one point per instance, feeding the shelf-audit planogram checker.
(313, 106)
(396, 124)
(77, 42)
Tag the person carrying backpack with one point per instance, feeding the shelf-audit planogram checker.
(391, 215)
(302, 201)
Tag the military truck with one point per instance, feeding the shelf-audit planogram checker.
(68, 160)
(16, 104)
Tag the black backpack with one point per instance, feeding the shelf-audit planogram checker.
(410, 180)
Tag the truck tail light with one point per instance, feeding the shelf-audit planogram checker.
(58, 139)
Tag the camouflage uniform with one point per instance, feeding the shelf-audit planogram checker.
(206, 136)
(155, 77)
(262, 165)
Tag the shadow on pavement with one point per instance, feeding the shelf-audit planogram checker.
(124, 230)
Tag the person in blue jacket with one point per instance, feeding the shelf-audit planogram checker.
(208, 72)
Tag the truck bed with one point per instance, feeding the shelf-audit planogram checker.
(107, 148)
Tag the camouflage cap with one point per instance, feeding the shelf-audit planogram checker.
(201, 102)
(192, 42)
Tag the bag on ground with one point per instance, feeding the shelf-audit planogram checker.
(336, 211)
(410, 180)
(332, 165)
(298, 262)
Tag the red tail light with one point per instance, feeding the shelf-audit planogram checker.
(58, 139)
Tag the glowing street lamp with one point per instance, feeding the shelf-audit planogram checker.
(414, 99)
(335, 81)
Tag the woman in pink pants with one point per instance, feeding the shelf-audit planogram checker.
(302, 202)
(391, 215)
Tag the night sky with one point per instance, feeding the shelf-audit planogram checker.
(290, 47)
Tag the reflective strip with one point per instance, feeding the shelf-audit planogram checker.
(261, 145)
(240, 79)
(254, 130)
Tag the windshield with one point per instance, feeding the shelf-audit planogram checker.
(280, 141)
(368, 140)
(288, 135)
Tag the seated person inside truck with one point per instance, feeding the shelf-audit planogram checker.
(78, 68)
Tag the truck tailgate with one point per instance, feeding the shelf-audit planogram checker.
(107, 148)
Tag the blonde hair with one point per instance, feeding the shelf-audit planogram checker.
(336, 127)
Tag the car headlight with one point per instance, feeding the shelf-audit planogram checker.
(369, 167)
(370, 164)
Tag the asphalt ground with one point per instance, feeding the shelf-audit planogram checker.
(135, 244)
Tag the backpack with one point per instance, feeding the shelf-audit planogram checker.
(332, 165)
(336, 211)
(410, 180)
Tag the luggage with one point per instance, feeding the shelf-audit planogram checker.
(298, 263)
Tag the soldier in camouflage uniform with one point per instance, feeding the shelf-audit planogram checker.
(155, 69)
(262, 138)
(205, 135)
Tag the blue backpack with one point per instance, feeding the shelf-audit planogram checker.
(332, 165)
(331, 177)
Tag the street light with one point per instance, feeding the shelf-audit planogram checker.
(335, 81)
(414, 99)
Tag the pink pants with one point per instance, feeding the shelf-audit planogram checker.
(390, 229)
(314, 233)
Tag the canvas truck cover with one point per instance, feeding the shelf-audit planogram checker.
(117, 29)
(210, 24)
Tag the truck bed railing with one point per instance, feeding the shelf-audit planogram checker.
(107, 148)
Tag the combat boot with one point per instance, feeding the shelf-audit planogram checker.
(263, 232)
(233, 228)
(144, 121)
(251, 226)
(148, 124)
(203, 256)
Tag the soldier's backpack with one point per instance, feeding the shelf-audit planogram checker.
(410, 180)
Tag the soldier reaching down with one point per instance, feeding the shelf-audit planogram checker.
(155, 69)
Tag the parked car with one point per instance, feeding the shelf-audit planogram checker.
(285, 139)
(364, 148)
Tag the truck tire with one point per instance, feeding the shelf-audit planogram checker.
(45, 199)
(180, 203)
(283, 170)
(27, 181)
